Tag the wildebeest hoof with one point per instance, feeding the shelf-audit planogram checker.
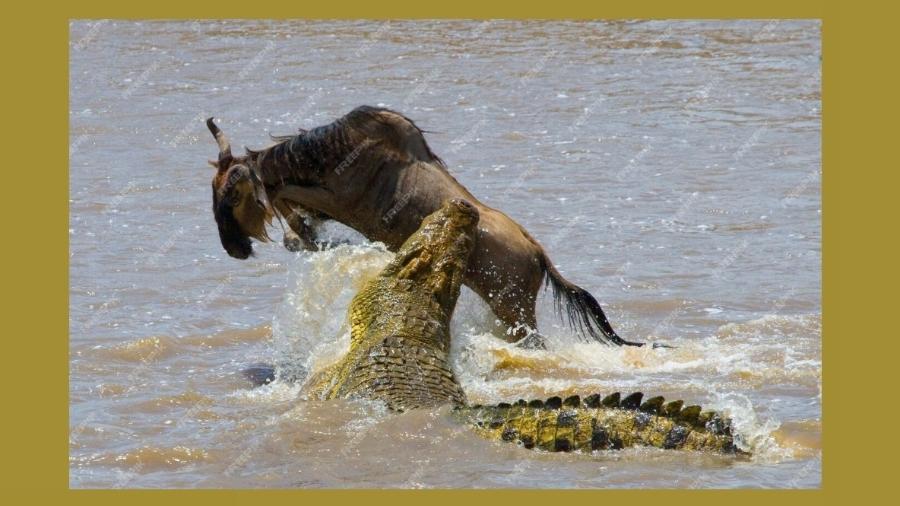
(293, 243)
(661, 345)
(533, 341)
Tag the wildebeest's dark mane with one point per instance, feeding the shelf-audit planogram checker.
(327, 146)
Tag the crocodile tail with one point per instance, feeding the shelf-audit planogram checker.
(599, 423)
(582, 309)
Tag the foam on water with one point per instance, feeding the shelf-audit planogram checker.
(716, 370)
(310, 326)
(275, 392)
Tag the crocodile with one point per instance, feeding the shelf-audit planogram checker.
(399, 354)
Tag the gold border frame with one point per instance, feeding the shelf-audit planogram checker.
(857, 120)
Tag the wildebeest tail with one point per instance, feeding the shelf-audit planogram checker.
(580, 307)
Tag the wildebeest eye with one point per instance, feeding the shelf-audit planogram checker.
(234, 198)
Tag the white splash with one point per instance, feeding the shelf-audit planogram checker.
(310, 328)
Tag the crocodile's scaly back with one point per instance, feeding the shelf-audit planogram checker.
(599, 423)
(400, 320)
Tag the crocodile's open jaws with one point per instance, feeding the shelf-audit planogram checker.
(400, 341)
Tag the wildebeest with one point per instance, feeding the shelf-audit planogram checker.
(373, 171)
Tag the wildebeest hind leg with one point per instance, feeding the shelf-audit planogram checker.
(518, 316)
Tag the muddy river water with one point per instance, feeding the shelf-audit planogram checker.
(672, 168)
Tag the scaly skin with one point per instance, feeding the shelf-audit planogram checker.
(399, 346)
(400, 321)
(574, 424)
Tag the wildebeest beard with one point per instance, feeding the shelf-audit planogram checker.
(234, 240)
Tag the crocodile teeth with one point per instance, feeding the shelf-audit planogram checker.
(633, 401)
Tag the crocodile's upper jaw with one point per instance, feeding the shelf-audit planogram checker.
(399, 320)
(437, 255)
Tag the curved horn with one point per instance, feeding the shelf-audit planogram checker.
(221, 140)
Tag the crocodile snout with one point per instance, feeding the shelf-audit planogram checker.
(465, 206)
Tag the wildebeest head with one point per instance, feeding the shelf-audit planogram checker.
(239, 199)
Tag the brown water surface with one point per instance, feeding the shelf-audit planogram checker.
(671, 168)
